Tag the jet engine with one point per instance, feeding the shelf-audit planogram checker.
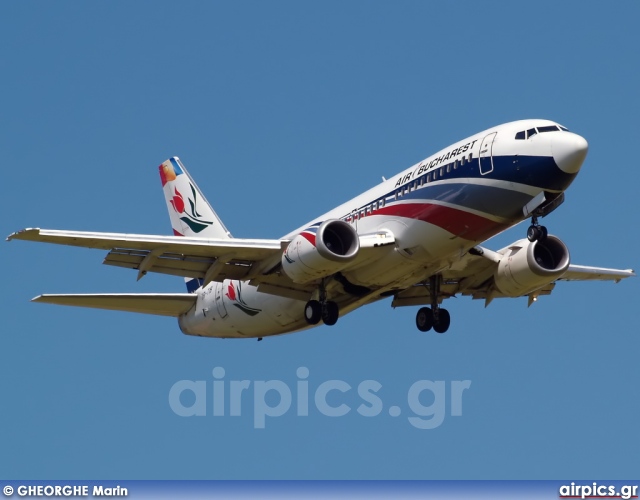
(319, 252)
(528, 266)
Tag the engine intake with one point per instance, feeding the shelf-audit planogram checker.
(318, 253)
(528, 266)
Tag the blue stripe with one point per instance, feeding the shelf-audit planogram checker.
(492, 200)
(536, 171)
(176, 167)
(313, 229)
(194, 284)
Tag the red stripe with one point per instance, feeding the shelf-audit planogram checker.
(310, 237)
(163, 177)
(463, 224)
(176, 233)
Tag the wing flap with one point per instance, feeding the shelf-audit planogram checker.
(419, 294)
(162, 304)
(177, 265)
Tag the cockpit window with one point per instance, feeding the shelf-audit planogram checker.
(533, 131)
(550, 128)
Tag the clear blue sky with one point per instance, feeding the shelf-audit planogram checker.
(282, 110)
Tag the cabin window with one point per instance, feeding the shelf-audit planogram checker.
(435, 175)
(449, 168)
(381, 203)
(470, 157)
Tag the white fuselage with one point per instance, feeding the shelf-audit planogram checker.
(436, 210)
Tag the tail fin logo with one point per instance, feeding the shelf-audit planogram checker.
(193, 219)
(236, 299)
(177, 202)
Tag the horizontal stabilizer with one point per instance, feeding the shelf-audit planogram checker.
(162, 304)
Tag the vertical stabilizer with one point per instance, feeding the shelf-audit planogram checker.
(189, 210)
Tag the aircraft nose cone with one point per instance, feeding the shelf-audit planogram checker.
(569, 151)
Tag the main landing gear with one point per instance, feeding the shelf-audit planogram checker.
(323, 309)
(536, 231)
(433, 317)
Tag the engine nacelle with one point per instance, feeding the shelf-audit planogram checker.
(528, 266)
(319, 252)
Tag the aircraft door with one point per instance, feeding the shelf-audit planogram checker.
(486, 157)
(218, 297)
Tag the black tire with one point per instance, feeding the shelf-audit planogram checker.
(313, 312)
(330, 313)
(443, 322)
(543, 233)
(533, 233)
(424, 319)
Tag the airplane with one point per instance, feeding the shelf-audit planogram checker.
(415, 238)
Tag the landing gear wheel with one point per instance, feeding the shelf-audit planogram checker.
(441, 324)
(533, 233)
(424, 319)
(313, 312)
(543, 233)
(330, 313)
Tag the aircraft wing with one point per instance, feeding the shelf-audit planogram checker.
(208, 259)
(473, 275)
(205, 258)
(587, 273)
